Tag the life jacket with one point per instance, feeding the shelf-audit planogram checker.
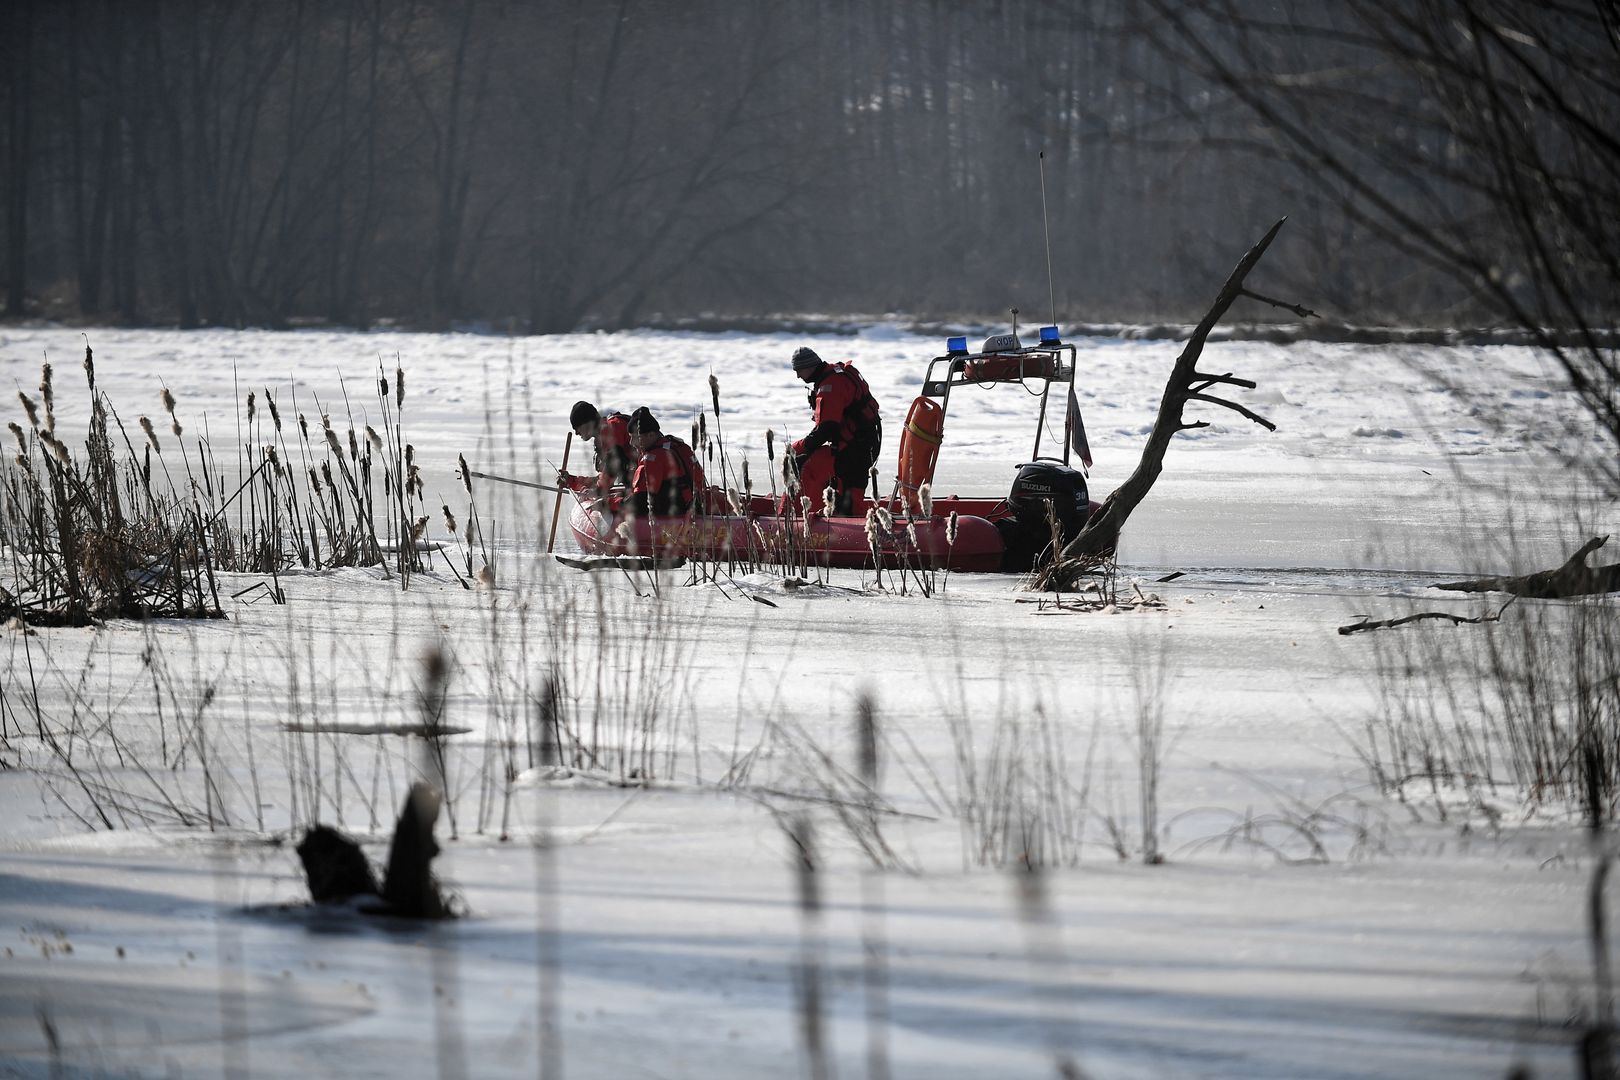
(615, 459)
(860, 417)
(670, 478)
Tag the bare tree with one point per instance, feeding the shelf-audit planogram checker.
(19, 154)
(1478, 137)
(1186, 384)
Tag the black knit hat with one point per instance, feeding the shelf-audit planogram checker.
(582, 412)
(805, 358)
(643, 422)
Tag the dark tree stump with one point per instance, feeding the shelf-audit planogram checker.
(334, 866)
(409, 888)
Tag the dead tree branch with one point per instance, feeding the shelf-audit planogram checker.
(1298, 309)
(1186, 383)
(1574, 578)
(1383, 624)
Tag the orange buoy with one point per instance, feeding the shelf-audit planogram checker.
(919, 448)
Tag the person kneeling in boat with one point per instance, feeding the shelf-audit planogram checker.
(615, 458)
(843, 446)
(668, 480)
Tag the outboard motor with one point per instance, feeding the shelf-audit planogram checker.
(1027, 536)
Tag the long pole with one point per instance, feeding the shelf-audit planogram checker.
(476, 475)
(556, 505)
(1046, 229)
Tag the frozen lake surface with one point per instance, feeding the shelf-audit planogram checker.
(1304, 924)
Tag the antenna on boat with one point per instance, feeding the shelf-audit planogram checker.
(1046, 230)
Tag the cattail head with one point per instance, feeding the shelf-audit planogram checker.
(885, 519)
(804, 504)
(373, 439)
(399, 387)
(871, 526)
(174, 426)
(168, 401)
(59, 448)
(270, 455)
(332, 442)
(418, 528)
(770, 444)
(806, 864)
(382, 387)
(748, 483)
(925, 497)
(17, 433)
(275, 414)
(871, 475)
(466, 472)
(151, 436)
(950, 529)
(251, 399)
(47, 396)
(354, 446)
(303, 426)
(624, 530)
(314, 480)
(449, 518)
(734, 497)
(697, 438)
(866, 741)
(413, 481)
(89, 364)
(30, 409)
(829, 499)
(911, 533)
(326, 474)
(714, 392)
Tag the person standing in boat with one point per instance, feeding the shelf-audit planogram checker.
(615, 458)
(668, 480)
(844, 445)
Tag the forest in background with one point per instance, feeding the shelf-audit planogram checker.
(547, 166)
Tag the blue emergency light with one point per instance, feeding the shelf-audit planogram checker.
(956, 345)
(1049, 335)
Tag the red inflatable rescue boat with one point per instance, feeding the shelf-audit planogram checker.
(982, 534)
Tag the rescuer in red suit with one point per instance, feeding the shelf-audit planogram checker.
(668, 480)
(848, 435)
(615, 458)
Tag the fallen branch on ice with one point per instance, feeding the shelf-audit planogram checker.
(1574, 578)
(1381, 624)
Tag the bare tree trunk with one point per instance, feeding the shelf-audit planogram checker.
(452, 178)
(20, 92)
(1574, 578)
(1186, 384)
(92, 248)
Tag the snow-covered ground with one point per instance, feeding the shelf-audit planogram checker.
(660, 933)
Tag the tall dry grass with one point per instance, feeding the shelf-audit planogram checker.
(139, 522)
